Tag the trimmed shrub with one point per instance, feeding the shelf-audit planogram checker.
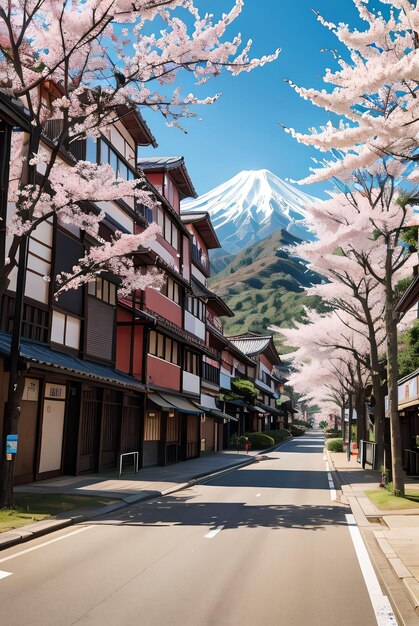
(260, 441)
(333, 434)
(296, 430)
(336, 445)
(302, 423)
(278, 435)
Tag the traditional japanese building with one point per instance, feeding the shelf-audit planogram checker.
(264, 414)
(214, 422)
(78, 412)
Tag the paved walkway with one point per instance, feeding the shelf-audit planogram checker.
(149, 481)
(398, 534)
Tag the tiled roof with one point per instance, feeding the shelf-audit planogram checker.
(162, 162)
(203, 225)
(174, 164)
(251, 346)
(191, 218)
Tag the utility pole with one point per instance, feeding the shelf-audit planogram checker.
(16, 366)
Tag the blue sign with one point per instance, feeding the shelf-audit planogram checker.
(11, 444)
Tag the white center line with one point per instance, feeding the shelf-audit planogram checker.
(211, 534)
(4, 574)
(42, 545)
(380, 603)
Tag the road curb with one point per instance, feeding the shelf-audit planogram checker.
(401, 595)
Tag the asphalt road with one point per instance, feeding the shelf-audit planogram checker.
(261, 545)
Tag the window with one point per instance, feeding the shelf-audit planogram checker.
(108, 155)
(65, 330)
(191, 363)
(145, 212)
(152, 427)
(168, 228)
(102, 289)
(91, 150)
(170, 289)
(163, 347)
(196, 307)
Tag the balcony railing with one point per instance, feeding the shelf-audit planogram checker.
(200, 258)
(52, 130)
(211, 374)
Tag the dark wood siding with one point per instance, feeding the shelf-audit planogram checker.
(68, 251)
(132, 419)
(100, 329)
(89, 429)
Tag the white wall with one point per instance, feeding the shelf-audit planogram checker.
(191, 382)
(194, 325)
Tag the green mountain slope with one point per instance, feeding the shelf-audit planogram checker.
(264, 285)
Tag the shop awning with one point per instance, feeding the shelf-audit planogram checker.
(163, 404)
(183, 405)
(270, 409)
(242, 403)
(47, 358)
(216, 414)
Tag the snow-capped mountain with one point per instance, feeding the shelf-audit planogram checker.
(252, 205)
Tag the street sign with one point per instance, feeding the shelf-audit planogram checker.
(11, 444)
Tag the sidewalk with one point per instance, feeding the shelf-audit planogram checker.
(396, 533)
(150, 482)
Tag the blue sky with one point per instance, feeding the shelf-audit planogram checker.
(242, 130)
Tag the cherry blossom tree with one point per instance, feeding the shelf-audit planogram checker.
(99, 60)
(79, 67)
(373, 92)
(333, 341)
(359, 242)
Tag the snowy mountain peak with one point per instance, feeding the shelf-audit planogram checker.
(252, 205)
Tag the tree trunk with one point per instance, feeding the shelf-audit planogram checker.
(350, 414)
(360, 415)
(17, 370)
(379, 417)
(392, 382)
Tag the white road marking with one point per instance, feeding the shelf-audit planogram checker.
(332, 489)
(380, 603)
(42, 545)
(211, 534)
(4, 574)
(258, 495)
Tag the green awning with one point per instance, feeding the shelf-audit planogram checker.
(217, 414)
(183, 405)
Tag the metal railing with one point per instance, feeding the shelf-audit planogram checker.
(210, 373)
(368, 452)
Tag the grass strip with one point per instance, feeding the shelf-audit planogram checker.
(33, 507)
(385, 501)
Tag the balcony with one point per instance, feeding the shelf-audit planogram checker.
(200, 258)
(211, 374)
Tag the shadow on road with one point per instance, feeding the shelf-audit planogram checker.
(178, 511)
(279, 479)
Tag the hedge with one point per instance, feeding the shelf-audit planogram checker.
(336, 445)
(278, 435)
(260, 440)
(296, 430)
